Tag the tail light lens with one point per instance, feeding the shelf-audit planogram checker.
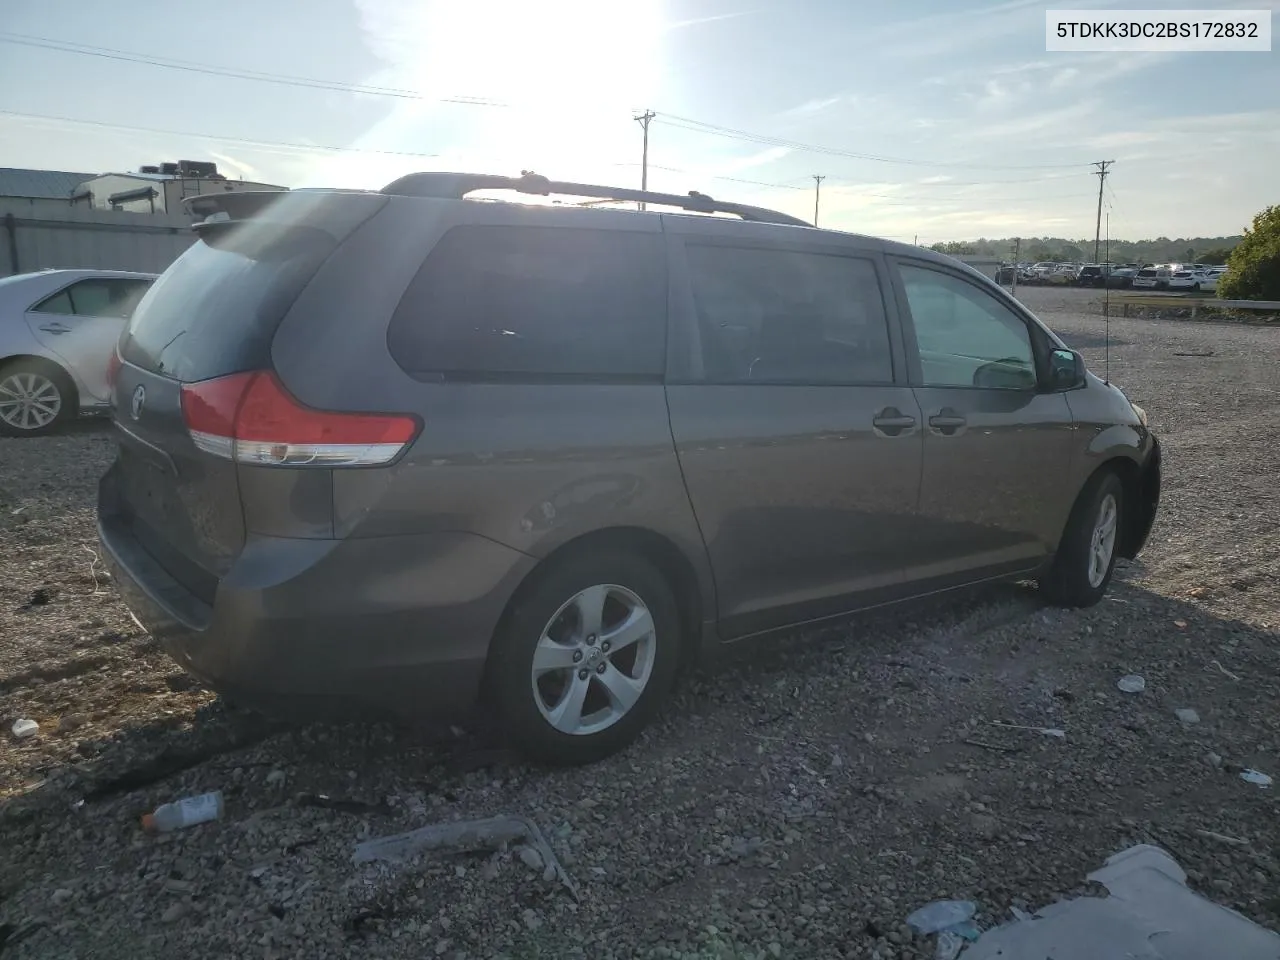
(113, 368)
(251, 418)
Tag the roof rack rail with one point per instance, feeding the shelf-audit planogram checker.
(455, 186)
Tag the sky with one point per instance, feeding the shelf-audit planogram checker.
(930, 120)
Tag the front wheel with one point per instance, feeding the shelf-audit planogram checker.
(584, 659)
(33, 399)
(1086, 557)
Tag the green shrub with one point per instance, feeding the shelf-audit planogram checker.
(1253, 270)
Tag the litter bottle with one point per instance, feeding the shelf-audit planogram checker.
(184, 813)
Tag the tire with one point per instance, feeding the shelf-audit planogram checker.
(548, 621)
(1078, 577)
(22, 381)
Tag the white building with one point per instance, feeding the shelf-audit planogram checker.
(160, 188)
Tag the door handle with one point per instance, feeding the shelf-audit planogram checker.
(892, 422)
(55, 328)
(947, 422)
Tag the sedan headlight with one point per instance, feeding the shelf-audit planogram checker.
(1142, 414)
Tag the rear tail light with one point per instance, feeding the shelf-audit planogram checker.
(113, 369)
(251, 418)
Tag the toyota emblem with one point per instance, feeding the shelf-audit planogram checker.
(139, 398)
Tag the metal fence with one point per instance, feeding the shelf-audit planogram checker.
(38, 236)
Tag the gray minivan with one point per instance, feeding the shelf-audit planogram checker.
(410, 451)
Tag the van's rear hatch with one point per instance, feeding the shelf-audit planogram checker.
(213, 313)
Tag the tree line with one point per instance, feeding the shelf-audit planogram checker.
(1036, 249)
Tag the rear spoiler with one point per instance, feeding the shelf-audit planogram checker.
(212, 208)
(336, 212)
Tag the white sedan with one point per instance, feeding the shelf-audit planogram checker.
(1203, 279)
(58, 332)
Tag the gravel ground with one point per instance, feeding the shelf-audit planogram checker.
(798, 802)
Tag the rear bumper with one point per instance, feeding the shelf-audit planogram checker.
(329, 628)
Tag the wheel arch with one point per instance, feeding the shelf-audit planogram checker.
(669, 560)
(1141, 487)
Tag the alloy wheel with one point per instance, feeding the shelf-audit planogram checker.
(29, 400)
(593, 660)
(1103, 541)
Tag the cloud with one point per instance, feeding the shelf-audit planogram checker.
(770, 155)
(696, 21)
(815, 105)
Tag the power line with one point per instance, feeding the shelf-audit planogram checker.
(209, 136)
(688, 123)
(134, 128)
(111, 53)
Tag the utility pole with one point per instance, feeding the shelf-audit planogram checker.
(1017, 249)
(644, 120)
(817, 193)
(1101, 174)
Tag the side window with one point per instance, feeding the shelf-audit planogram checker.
(60, 302)
(102, 297)
(494, 301)
(782, 316)
(106, 297)
(966, 337)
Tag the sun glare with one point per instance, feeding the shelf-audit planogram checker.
(567, 72)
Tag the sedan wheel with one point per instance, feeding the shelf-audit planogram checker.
(31, 401)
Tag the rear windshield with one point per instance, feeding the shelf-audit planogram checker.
(1146, 273)
(535, 303)
(215, 310)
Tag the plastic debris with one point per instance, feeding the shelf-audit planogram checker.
(24, 728)
(1131, 684)
(325, 802)
(1187, 715)
(1224, 671)
(1258, 779)
(1047, 731)
(1020, 914)
(949, 946)
(1148, 913)
(951, 920)
(941, 914)
(491, 833)
(184, 813)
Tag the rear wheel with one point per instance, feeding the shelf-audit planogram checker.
(1086, 557)
(583, 660)
(35, 398)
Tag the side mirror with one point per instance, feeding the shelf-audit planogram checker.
(1066, 370)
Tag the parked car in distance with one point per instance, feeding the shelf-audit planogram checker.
(1209, 279)
(1063, 274)
(1184, 280)
(1197, 279)
(1152, 278)
(568, 450)
(58, 332)
(1121, 275)
(1092, 275)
